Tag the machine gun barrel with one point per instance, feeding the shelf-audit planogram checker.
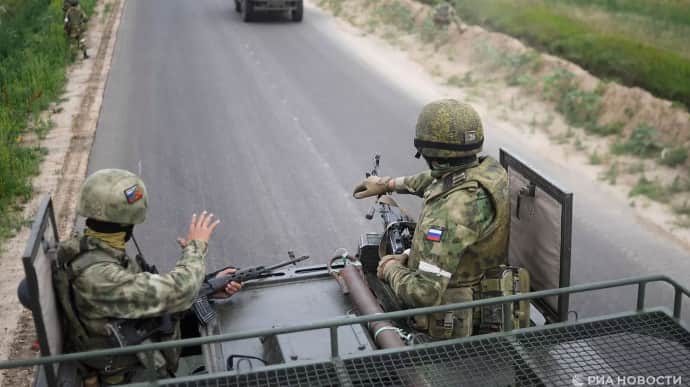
(385, 334)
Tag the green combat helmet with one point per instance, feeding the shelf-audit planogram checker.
(448, 129)
(115, 196)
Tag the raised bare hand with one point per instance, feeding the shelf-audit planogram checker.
(201, 228)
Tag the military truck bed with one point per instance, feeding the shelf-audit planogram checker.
(640, 344)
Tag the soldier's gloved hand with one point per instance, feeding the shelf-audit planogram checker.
(372, 186)
(231, 288)
(401, 258)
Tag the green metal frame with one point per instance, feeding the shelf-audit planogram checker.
(332, 325)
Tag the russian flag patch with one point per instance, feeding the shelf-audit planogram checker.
(133, 194)
(434, 234)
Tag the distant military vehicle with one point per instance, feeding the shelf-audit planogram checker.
(302, 327)
(249, 8)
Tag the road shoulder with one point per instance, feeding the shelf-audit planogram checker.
(68, 146)
(465, 63)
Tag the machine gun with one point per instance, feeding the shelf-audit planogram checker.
(201, 307)
(398, 228)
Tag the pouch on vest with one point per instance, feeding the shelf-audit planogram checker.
(503, 281)
(457, 323)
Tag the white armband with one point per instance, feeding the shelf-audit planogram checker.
(433, 269)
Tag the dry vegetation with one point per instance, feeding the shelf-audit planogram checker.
(639, 141)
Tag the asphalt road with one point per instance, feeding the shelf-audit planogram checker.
(268, 125)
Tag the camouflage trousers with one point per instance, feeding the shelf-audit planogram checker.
(78, 42)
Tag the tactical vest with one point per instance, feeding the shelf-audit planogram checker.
(82, 337)
(67, 268)
(490, 250)
(74, 21)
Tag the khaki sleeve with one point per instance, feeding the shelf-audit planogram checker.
(415, 184)
(425, 284)
(108, 290)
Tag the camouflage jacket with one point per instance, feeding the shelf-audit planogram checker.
(75, 21)
(108, 284)
(462, 231)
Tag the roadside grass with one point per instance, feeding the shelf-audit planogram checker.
(552, 25)
(33, 57)
(653, 189)
(582, 107)
(643, 142)
(674, 156)
(396, 14)
(664, 24)
(595, 158)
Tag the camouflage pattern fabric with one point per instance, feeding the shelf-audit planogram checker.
(75, 21)
(113, 195)
(105, 290)
(443, 14)
(462, 231)
(107, 285)
(66, 4)
(449, 122)
(75, 25)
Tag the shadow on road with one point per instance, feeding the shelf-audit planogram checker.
(269, 17)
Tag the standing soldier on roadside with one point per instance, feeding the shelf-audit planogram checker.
(444, 14)
(463, 226)
(75, 24)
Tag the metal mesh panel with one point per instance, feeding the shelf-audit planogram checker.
(319, 375)
(649, 344)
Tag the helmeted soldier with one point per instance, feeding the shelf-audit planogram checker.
(463, 226)
(444, 14)
(75, 25)
(98, 284)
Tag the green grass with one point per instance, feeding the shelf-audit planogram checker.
(674, 156)
(33, 57)
(595, 158)
(553, 25)
(643, 142)
(396, 14)
(652, 189)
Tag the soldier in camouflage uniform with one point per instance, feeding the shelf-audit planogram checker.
(444, 14)
(75, 25)
(97, 283)
(463, 226)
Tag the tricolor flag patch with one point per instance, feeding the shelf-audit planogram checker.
(434, 234)
(133, 194)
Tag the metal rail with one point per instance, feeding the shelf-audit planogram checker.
(332, 324)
